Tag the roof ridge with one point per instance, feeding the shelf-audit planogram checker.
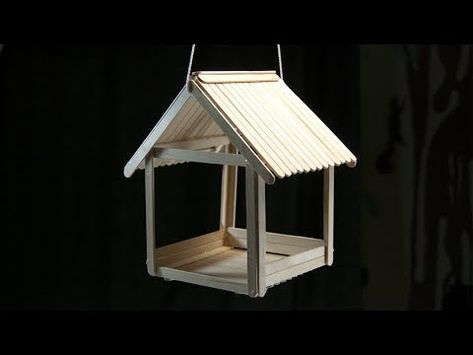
(224, 72)
(222, 77)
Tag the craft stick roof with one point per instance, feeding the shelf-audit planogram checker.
(258, 113)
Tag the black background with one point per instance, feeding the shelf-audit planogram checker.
(73, 227)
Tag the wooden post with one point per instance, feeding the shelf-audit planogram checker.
(328, 214)
(256, 233)
(229, 192)
(150, 215)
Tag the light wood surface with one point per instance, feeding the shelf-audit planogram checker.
(236, 77)
(256, 232)
(262, 119)
(278, 122)
(231, 132)
(205, 261)
(317, 127)
(228, 195)
(150, 216)
(157, 131)
(279, 127)
(295, 244)
(328, 214)
(294, 271)
(190, 243)
(304, 140)
(230, 263)
(232, 72)
(196, 144)
(251, 130)
(169, 259)
(271, 126)
(191, 126)
(295, 259)
(233, 284)
(195, 257)
(192, 122)
(212, 260)
(199, 156)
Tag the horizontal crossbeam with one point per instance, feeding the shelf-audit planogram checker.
(199, 143)
(199, 157)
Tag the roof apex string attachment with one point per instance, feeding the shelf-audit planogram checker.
(280, 61)
(191, 59)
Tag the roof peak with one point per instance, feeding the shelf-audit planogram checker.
(221, 77)
(232, 72)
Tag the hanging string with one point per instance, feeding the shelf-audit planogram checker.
(191, 59)
(280, 61)
(190, 65)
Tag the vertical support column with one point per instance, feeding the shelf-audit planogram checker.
(328, 214)
(150, 215)
(256, 233)
(229, 192)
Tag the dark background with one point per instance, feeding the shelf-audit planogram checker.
(73, 227)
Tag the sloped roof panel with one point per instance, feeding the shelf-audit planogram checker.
(275, 122)
(258, 108)
(190, 122)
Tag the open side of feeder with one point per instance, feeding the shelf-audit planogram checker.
(251, 120)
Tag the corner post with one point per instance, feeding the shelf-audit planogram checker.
(228, 192)
(256, 233)
(150, 215)
(328, 214)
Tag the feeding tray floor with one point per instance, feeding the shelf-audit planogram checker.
(219, 259)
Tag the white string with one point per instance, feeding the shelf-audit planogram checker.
(190, 65)
(280, 61)
(191, 59)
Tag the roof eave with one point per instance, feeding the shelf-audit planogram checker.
(156, 132)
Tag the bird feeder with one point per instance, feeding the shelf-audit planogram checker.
(255, 121)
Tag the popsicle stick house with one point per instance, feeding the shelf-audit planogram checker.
(251, 120)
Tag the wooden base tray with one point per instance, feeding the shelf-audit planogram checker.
(219, 259)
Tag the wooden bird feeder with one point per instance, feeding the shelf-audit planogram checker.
(251, 120)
